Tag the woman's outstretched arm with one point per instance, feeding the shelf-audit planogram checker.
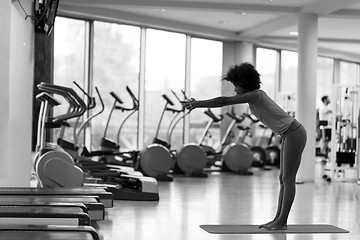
(247, 97)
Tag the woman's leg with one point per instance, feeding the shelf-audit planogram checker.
(292, 148)
(281, 191)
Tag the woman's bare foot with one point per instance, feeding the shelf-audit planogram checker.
(267, 224)
(275, 225)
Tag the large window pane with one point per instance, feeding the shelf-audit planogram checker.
(205, 77)
(69, 53)
(288, 80)
(266, 60)
(348, 73)
(116, 65)
(165, 71)
(324, 79)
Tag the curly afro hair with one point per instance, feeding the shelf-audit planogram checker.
(244, 75)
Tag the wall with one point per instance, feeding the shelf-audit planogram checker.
(16, 74)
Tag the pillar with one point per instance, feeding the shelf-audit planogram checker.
(306, 95)
(16, 76)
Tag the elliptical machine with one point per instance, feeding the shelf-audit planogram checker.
(212, 155)
(53, 166)
(156, 159)
(110, 150)
(236, 156)
(191, 158)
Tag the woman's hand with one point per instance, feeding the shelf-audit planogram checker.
(189, 104)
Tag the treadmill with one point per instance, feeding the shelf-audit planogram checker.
(95, 210)
(16, 232)
(105, 197)
(43, 215)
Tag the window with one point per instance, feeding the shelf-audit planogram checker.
(205, 82)
(116, 65)
(288, 81)
(69, 55)
(165, 71)
(324, 79)
(266, 64)
(348, 73)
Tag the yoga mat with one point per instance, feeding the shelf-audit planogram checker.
(254, 229)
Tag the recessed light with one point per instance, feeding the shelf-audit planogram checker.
(160, 9)
(223, 22)
(293, 33)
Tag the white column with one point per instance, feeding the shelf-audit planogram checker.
(16, 75)
(306, 96)
(5, 15)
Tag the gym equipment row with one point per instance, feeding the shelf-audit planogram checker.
(65, 157)
(52, 213)
(161, 162)
(62, 206)
(344, 159)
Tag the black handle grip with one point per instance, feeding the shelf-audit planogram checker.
(176, 96)
(233, 116)
(131, 94)
(117, 98)
(47, 97)
(168, 99)
(212, 115)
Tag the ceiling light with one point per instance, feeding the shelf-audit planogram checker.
(160, 9)
(223, 22)
(293, 33)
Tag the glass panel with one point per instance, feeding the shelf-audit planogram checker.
(165, 71)
(266, 65)
(324, 79)
(288, 81)
(69, 40)
(116, 65)
(205, 77)
(347, 73)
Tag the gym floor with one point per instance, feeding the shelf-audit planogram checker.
(226, 198)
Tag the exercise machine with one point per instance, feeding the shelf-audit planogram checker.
(110, 150)
(213, 156)
(236, 157)
(95, 209)
(156, 159)
(16, 232)
(344, 150)
(122, 185)
(55, 167)
(190, 159)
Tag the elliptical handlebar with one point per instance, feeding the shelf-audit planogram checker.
(44, 96)
(70, 95)
(167, 99)
(117, 98)
(237, 119)
(83, 125)
(209, 113)
(135, 100)
(91, 100)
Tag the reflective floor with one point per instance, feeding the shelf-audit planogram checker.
(223, 198)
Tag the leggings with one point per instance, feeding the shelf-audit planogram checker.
(292, 146)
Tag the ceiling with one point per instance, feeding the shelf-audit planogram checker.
(269, 23)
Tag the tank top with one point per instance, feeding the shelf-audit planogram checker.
(271, 114)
